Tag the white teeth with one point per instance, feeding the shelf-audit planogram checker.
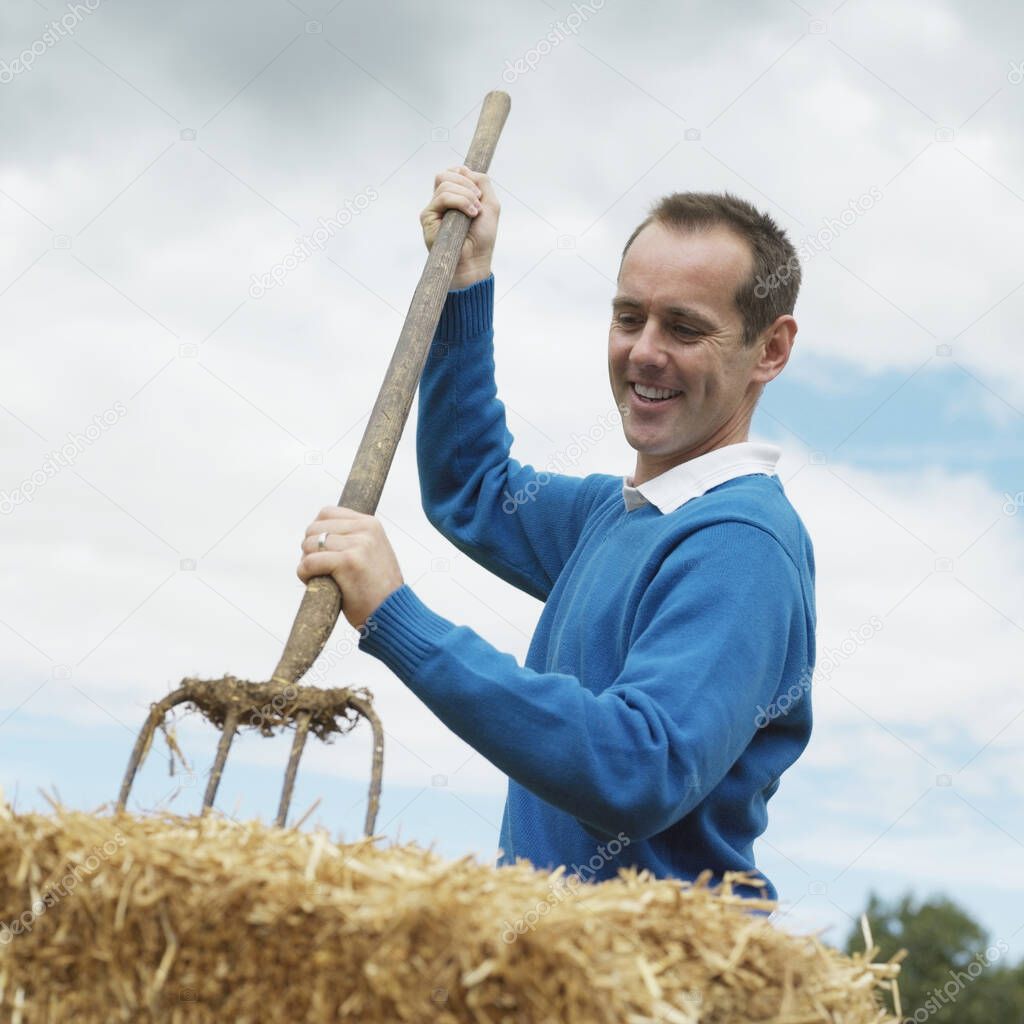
(646, 392)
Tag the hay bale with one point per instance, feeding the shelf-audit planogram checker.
(187, 919)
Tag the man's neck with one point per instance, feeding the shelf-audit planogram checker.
(647, 468)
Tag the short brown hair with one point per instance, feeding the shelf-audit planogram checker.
(772, 287)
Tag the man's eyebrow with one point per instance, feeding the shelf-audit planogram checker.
(687, 312)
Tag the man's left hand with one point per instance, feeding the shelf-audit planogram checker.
(358, 556)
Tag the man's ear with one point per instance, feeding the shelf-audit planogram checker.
(776, 345)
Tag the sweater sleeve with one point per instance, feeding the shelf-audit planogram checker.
(710, 644)
(519, 523)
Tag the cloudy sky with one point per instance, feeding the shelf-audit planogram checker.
(160, 158)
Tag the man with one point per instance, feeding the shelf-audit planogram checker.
(666, 686)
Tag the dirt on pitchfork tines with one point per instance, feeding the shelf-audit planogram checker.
(201, 919)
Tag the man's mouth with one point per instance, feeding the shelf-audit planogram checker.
(652, 396)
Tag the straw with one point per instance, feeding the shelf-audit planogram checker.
(203, 919)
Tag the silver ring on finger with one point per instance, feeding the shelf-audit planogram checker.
(321, 541)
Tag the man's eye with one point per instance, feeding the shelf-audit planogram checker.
(683, 329)
(628, 319)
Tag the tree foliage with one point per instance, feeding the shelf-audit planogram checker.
(954, 972)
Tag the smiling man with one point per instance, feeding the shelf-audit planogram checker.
(646, 726)
(684, 368)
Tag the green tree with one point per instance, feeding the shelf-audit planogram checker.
(953, 973)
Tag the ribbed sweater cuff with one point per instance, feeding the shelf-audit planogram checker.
(468, 312)
(403, 631)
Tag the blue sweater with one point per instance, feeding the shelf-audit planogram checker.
(646, 727)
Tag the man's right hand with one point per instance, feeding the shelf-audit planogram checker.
(459, 188)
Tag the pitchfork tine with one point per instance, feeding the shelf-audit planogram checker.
(228, 734)
(156, 715)
(301, 731)
(365, 708)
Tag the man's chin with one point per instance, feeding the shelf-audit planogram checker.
(656, 448)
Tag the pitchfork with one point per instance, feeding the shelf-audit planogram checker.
(230, 703)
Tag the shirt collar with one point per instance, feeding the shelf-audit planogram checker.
(676, 486)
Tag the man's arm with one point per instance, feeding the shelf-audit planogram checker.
(715, 631)
(515, 521)
(520, 523)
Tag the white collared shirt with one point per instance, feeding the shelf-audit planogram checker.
(676, 486)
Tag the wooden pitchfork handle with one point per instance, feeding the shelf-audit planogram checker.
(321, 604)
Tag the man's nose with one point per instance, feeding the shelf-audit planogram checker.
(648, 349)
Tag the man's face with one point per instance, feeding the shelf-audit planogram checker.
(675, 327)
